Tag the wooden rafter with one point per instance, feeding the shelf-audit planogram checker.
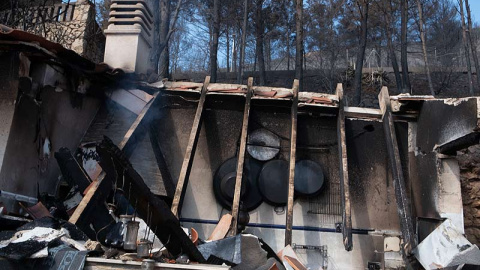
(403, 204)
(344, 181)
(190, 152)
(291, 173)
(241, 158)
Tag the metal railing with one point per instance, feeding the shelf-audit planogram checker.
(55, 13)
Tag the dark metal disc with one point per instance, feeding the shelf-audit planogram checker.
(227, 186)
(273, 182)
(309, 178)
(224, 184)
(263, 145)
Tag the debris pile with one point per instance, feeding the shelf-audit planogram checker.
(43, 238)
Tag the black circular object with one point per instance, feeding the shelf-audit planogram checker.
(224, 184)
(263, 145)
(273, 182)
(309, 178)
(227, 186)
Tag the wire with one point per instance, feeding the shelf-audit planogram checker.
(96, 233)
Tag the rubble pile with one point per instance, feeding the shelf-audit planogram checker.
(42, 237)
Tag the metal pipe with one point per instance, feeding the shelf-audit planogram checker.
(276, 226)
(18, 197)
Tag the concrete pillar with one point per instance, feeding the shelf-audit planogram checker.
(129, 36)
(449, 194)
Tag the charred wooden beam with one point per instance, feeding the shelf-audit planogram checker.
(190, 152)
(97, 194)
(72, 172)
(75, 175)
(291, 173)
(344, 180)
(92, 211)
(149, 207)
(241, 158)
(403, 204)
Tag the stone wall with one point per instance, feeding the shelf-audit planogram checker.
(72, 25)
(469, 161)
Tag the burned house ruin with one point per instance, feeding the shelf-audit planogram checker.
(241, 167)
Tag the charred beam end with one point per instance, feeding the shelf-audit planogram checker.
(291, 174)
(72, 172)
(403, 204)
(190, 152)
(241, 158)
(149, 207)
(94, 194)
(92, 210)
(344, 181)
(463, 142)
(75, 175)
(139, 128)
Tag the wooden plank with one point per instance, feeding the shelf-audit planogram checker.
(222, 228)
(403, 204)
(86, 200)
(190, 152)
(344, 181)
(128, 143)
(241, 158)
(291, 173)
(362, 113)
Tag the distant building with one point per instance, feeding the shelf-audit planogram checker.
(73, 25)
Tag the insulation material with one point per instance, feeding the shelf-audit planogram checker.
(446, 247)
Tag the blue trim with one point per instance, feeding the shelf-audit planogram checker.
(276, 226)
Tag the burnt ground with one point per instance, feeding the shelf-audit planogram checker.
(469, 161)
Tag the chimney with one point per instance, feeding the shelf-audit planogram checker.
(129, 35)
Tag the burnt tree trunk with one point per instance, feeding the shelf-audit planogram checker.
(391, 49)
(424, 46)
(363, 6)
(235, 45)
(214, 44)
(406, 86)
(268, 52)
(288, 48)
(467, 50)
(244, 41)
(227, 37)
(164, 26)
(259, 33)
(473, 45)
(299, 42)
